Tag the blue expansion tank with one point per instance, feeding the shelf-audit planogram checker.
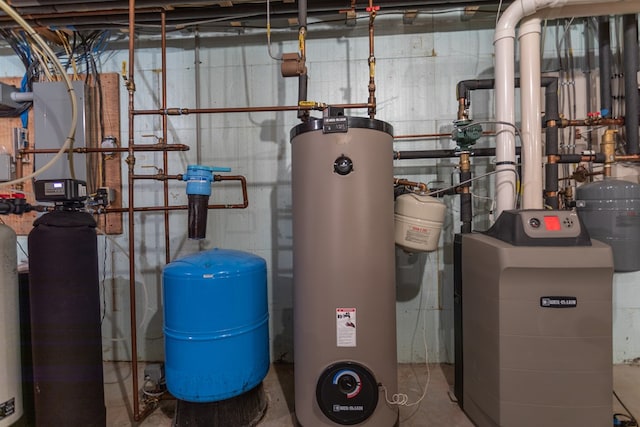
(216, 325)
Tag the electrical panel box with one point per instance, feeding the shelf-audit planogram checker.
(52, 119)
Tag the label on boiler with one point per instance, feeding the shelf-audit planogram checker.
(558, 302)
(345, 327)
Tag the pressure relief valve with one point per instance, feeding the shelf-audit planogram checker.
(199, 179)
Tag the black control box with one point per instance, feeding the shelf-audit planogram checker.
(60, 190)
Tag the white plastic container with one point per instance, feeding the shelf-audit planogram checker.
(418, 221)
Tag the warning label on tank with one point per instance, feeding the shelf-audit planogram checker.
(346, 327)
(7, 408)
(416, 234)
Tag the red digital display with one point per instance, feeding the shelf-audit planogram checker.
(552, 222)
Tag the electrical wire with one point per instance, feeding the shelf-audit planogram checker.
(496, 122)
(68, 142)
(498, 12)
(137, 274)
(402, 399)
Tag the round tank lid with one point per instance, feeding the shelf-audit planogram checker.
(353, 122)
(420, 206)
(215, 262)
(609, 189)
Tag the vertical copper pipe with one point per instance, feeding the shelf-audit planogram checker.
(372, 62)
(303, 78)
(462, 109)
(130, 182)
(165, 155)
(19, 169)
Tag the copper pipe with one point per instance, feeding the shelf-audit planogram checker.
(628, 158)
(245, 195)
(19, 170)
(462, 110)
(137, 416)
(558, 158)
(159, 177)
(608, 148)
(165, 157)
(173, 208)
(436, 135)
(420, 185)
(591, 121)
(150, 147)
(186, 111)
(167, 208)
(465, 166)
(372, 62)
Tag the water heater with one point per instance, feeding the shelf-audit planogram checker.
(10, 380)
(344, 272)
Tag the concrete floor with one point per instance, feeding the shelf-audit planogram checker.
(437, 409)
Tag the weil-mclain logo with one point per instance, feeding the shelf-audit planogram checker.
(342, 408)
(558, 302)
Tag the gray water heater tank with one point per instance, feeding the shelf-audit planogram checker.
(610, 210)
(344, 273)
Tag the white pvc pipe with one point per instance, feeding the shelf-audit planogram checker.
(531, 130)
(22, 96)
(505, 136)
(504, 45)
(504, 41)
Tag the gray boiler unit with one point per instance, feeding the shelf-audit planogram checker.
(536, 323)
(344, 272)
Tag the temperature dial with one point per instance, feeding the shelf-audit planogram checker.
(343, 165)
(347, 393)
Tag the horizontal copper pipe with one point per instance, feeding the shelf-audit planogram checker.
(171, 208)
(142, 147)
(420, 185)
(243, 205)
(186, 111)
(436, 135)
(597, 121)
(628, 158)
(158, 177)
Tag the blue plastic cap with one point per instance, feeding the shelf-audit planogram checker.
(199, 178)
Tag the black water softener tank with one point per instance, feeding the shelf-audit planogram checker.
(65, 320)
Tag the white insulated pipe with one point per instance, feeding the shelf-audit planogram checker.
(504, 46)
(531, 130)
